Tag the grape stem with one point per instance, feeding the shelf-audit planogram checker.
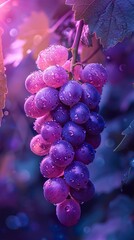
(76, 42)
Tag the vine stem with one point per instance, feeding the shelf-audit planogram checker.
(76, 42)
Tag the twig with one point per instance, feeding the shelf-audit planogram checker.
(76, 42)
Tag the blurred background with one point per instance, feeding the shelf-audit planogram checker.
(24, 213)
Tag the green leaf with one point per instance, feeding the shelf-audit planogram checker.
(112, 21)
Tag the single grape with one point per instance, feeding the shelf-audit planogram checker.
(48, 169)
(30, 108)
(95, 74)
(40, 121)
(53, 55)
(76, 175)
(55, 76)
(94, 140)
(90, 95)
(79, 113)
(61, 114)
(84, 194)
(47, 99)
(85, 153)
(51, 131)
(95, 124)
(70, 93)
(34, 82)
(73, 133)
(76, 69)
(68, 212)
(55, 190)
(62, 153)
(39, 146)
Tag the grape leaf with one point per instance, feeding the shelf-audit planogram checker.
(34, 31)
(3, 84)
(112, 21)
(128, 135)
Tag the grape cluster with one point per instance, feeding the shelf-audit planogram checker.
(68, 128)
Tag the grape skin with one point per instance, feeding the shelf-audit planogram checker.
(84, 194)
(85, 153)
(48, 169)
(73, 133)
(39, 146)
(55, 76)
(76, 175)
(31, 109)
(61, 114)
(79, 113)
(53, 55)
(34, 82)
(47, 99)
(40, 121)
(95, 74)
(90, 95)
(95, 124)
(68, 212)
(55, 190)
(62, 153)
(51, 131)
(70, 93)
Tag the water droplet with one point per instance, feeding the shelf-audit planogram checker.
(67, 208)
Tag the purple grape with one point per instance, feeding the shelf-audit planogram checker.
(85, 153)
(95, 74)
(62, 153)
(95, 124)
(39, 146)
(48, 169)
(30, 108)
(47, 99)
(61, 114)
(73, 133)
(68, 212)
(94, 140)
(51, 131)
(70, 93)
(55, 76)
(55, 190)
(34, 82)
(76, 175)
(84, 194)
(79, 113)
(40, 121)
(90, 95)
